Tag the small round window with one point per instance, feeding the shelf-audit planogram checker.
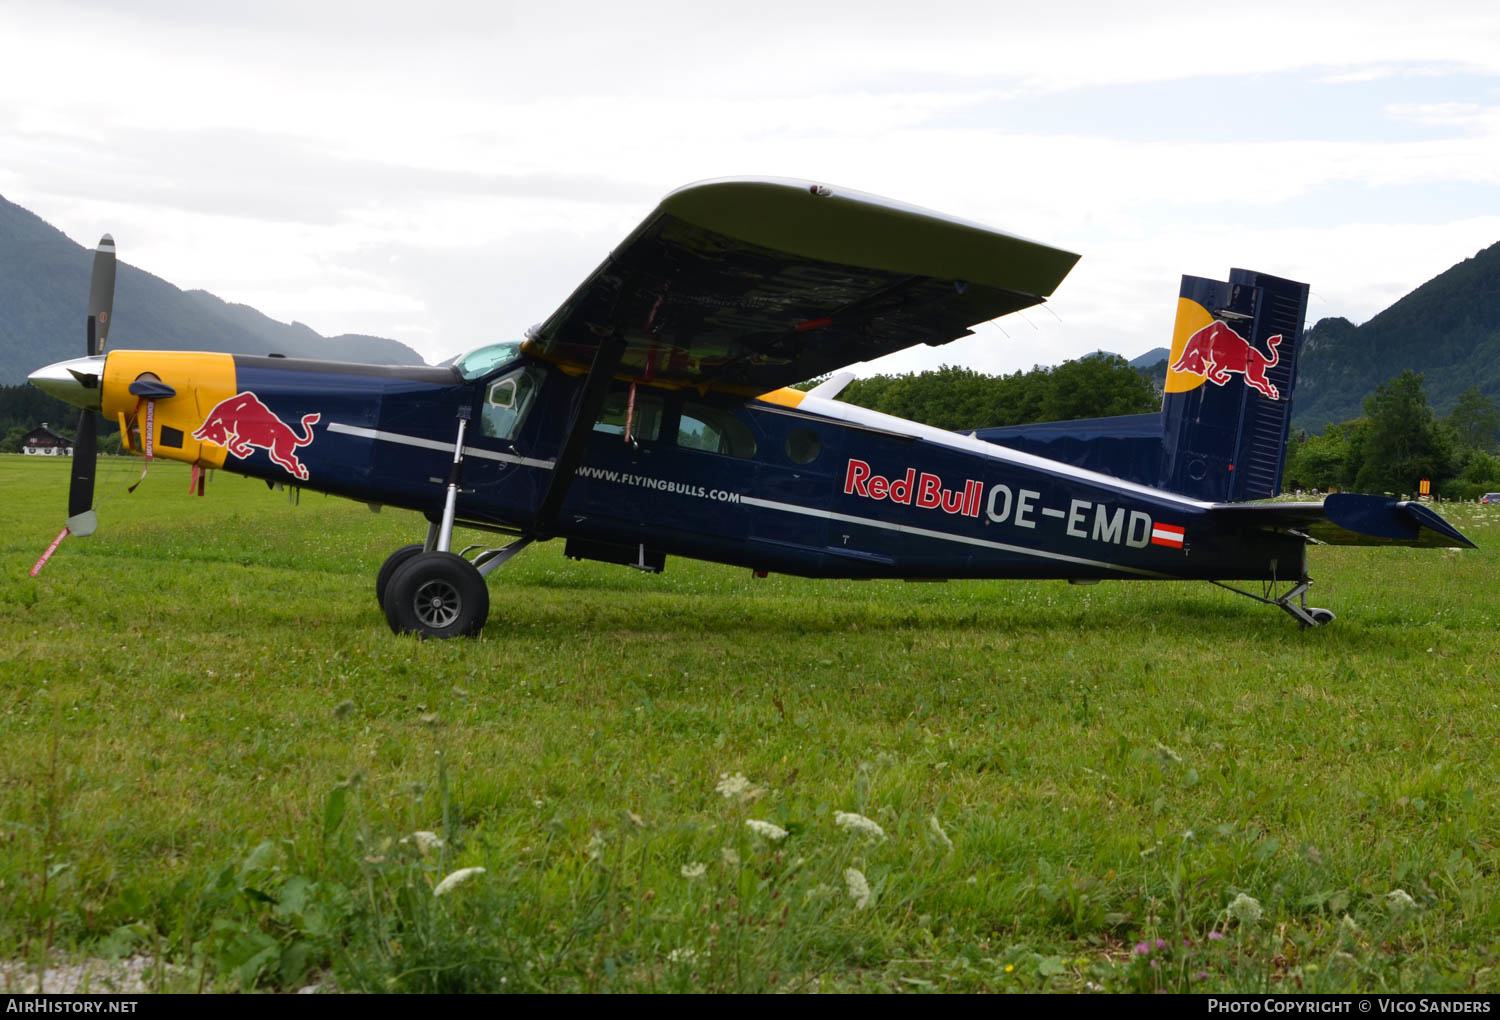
(803, 446)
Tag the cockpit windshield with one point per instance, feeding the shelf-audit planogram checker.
(482, 361)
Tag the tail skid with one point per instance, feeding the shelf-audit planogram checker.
(1293, 602)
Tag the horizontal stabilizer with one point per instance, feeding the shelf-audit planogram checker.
(1126, 446)
(830, 388)
(1347, 518)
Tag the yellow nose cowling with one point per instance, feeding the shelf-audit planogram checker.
(201, 381)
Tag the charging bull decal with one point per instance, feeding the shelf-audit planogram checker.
(243, 423)
(1217, 350)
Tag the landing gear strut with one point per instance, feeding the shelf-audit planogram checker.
(1293, 602)
(428, 590)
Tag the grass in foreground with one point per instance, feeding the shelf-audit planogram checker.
(216, 753)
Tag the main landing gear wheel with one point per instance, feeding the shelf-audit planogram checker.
(395, 561)
(437, 595)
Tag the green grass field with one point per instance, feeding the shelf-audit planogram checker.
(216, 753)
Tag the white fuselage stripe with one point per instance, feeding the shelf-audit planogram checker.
(433, 444)
(907, 529)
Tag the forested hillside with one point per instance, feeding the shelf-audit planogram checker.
(1448, 330)
(956, 398)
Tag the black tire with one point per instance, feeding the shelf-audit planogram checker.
(437, 595)
(395, 561)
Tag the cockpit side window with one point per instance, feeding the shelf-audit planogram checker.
(714, 431)
(645, 424)
(506, 401)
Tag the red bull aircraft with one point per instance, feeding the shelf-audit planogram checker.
(650, 416)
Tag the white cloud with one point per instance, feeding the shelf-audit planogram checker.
(280, 154)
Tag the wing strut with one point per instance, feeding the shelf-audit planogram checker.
(606, 360)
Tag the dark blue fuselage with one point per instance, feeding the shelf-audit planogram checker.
(753, 482)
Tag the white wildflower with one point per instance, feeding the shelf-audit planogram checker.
(732, 786)
(737, 787)
(1347, 923)
(937, 831)
(1245, 909)
(683, 955)
(766, 829)
(425, 840)
(1398, 900)
(858, 823)
(694, 870)
(595, 847)
(730, 856)
(859, 889)
(459, 877)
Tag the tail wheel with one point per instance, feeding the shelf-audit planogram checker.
(395, 561)
(436, 595)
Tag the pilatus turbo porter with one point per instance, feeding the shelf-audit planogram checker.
(651, 415)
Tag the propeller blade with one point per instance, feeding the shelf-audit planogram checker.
(102, 295)
(77, 382)
(85, 456)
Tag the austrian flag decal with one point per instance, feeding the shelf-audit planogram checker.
(1167, 534)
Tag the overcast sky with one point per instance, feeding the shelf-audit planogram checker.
(445, 173)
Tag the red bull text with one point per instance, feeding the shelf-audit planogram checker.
(922, 490)
(1020, 508)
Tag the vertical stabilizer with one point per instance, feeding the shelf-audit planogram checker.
(1227, 402)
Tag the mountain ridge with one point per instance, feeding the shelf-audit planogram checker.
(1448, 329)
(44, 286)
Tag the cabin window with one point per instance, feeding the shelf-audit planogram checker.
(714, 431)
(645, 426)
(506, 402)
(482, 362)
(803, 446)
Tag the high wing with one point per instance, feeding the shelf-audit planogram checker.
(750, 284)
(1347, 518)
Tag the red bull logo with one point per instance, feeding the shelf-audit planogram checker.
(244, 423)
(1216, 351)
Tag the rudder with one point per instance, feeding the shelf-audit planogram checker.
(1225, 441)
